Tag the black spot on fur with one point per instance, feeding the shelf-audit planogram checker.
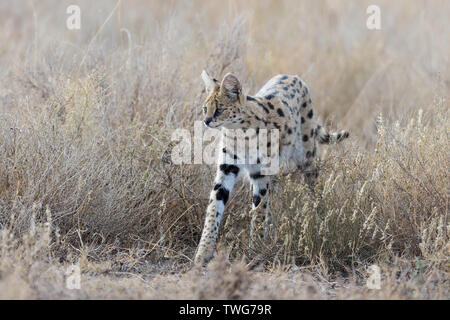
(262, 192)
(310, 114)
(280, 112)
(222, 194)
(325, 138)
(270, 105)
(262, 106)
(305, 138)
(303, 120)
(270, 96)
(256, 175)
(225, 168)
(217, 186)
(256, 200)
(304, 105)
(284, 77)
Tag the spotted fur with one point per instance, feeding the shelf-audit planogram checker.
(283, 103)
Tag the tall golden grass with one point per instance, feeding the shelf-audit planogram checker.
(86, 115)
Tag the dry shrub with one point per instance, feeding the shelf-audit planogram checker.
(86, 115)
(90, 150)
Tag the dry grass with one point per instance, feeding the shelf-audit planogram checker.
(85, 116)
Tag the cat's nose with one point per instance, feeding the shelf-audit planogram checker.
(207, 121)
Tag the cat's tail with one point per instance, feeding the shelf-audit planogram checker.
(326, 137)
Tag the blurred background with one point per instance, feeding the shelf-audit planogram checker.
(160, 47)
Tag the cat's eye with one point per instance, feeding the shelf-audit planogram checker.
(204, 110)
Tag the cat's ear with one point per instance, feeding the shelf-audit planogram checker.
(231, 87)
(210, 84)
